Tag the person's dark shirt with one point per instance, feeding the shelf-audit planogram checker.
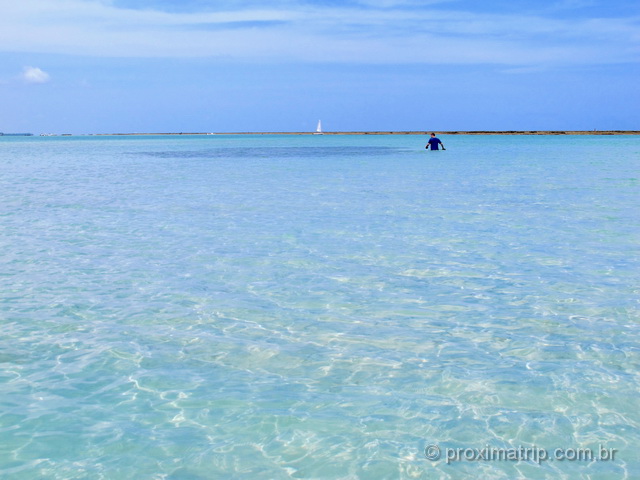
(433, 142)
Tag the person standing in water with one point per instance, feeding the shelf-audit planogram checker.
(434, 142)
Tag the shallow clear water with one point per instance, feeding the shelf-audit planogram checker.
(318, 306)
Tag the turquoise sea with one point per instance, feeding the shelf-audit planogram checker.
(320, 307)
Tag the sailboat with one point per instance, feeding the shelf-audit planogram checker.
(319, 128)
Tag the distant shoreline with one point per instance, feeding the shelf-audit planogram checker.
(471, 132)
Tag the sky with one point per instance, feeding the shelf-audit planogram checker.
(121, 66)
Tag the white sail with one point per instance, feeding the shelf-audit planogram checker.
(319, 128)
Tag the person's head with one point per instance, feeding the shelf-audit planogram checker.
(433, 134)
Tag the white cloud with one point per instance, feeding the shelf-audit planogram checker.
(34, 75)
(405, 31)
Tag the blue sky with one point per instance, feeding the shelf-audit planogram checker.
(104, 66)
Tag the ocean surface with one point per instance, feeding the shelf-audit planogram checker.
(320, 307)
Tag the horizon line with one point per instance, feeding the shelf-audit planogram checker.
(354, 132)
